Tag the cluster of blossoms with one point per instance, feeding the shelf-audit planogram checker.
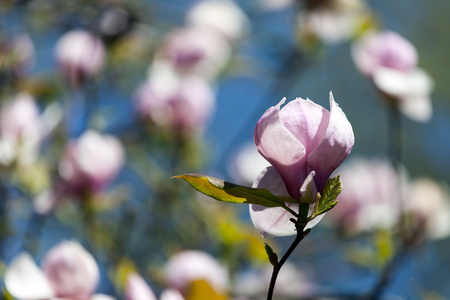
(178, 92)
(70, 272)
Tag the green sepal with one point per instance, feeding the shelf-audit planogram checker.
(328, 199)
(229, 192)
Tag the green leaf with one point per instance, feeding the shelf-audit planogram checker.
(229, 192)
(328, 198)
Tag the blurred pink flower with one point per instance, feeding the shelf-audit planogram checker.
(224, 16)
(304, 143)
(369, 199)
(184, 268)
(332, 21)
(173, 101)
(69, 272)
(91, 162)
(80, 54)
(391, 62)
(427, 204)
(137, 289)
(384, 49)
(196, 50)
(22, 128)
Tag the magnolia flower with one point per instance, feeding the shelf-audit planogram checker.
(391, 62)
(69, 271)
(173, 101)
(184, 268)
(91, 162)
(221, 15)
(304, 143)
(80, 54)
(369, 199)
(23, 127)
(196, 50)
(332, 21)
(427, 204)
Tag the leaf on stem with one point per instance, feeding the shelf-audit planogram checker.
(328, 198)
(229, 192)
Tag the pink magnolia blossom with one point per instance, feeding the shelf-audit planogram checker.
(68, 272)
(184, 268)
(224, 16)
(369, 199)
(173, 101)
(304, 143)
(80, 54)
(71, 270)
(427, 204)
(196, 50)
(332, 21)
(23, 127)
(391, 62)
(385, 49)
(91, 162)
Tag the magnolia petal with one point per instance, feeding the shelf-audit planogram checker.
(280, 147)
(307, 121)
(24, 279)
(397, 83)
(418, 109)
(137, 289)
(171, 294)
(274, 221)
(334, 148)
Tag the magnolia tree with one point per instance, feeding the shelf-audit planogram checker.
(102, 102)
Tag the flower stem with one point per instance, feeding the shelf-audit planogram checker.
(277, 267)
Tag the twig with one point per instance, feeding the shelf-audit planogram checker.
(277, 267)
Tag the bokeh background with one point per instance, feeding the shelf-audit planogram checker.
(138, 217)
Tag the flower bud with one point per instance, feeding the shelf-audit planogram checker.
(92, 161)
(71, 270)
(80, 54)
